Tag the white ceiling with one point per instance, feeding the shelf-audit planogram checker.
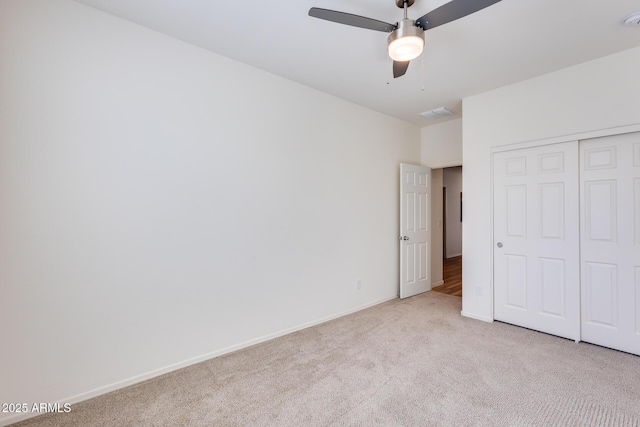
(510, 41)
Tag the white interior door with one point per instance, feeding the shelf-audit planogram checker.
(536, 239)
(415, 230)
(610, 241)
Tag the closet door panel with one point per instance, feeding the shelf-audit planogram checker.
(610, 241)
(536, 232)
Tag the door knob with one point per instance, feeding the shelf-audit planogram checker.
(405, 238)
(499, 244)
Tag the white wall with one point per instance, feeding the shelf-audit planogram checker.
(452, 180)
(436, 227)
(161, 204)
(441, 144)
(589, 97)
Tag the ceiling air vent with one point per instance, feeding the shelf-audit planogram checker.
(436, 113)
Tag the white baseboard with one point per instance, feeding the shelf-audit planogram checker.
(454, 255)
(157, 372)
(477, 317)
(438, 283)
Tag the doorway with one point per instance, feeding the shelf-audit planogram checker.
(448, 210)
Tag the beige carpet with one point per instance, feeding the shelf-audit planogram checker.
(413, 362)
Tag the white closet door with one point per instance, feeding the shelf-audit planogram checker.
(610, 241)
(536, 239)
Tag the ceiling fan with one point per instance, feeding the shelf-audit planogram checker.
(406, 40)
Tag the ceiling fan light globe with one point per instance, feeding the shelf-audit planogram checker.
(406, 48)
(406, 41)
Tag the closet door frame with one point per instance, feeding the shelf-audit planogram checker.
(536, 143)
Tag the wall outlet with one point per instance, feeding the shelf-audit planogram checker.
(358, 284)
(479, 291)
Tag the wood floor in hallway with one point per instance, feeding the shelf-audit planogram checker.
(452, 276)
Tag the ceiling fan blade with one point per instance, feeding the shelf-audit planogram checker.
(451, 11)
(399, 68)
(353, 20)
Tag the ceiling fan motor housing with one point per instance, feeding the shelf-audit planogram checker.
(400, 3)
(406, 42)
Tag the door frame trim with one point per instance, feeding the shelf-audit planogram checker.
(567, 138)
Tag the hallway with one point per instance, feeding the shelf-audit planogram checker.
(452, 276)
